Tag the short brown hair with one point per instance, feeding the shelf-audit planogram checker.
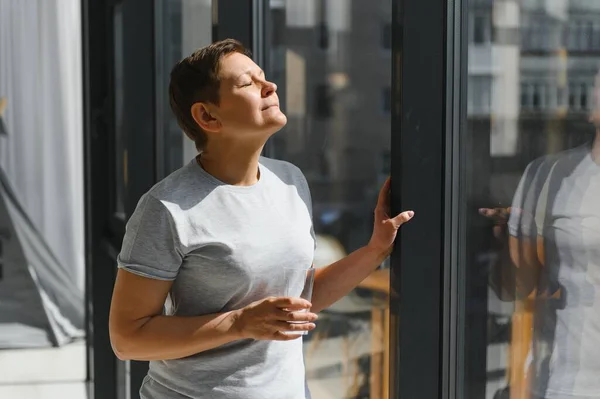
(196, 79)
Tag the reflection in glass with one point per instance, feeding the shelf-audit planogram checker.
(182, 27)
(333, 74)
(530, 162)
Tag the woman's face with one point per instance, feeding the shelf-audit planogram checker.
(249, 104)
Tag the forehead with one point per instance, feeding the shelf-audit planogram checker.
(234, 64)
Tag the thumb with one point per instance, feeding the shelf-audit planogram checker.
(402, 218)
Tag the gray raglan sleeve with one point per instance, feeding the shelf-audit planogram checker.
(150, 247)
(304, 191)
(521, 222)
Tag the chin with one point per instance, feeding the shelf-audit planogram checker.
(277, 123)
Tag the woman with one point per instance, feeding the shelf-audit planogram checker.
(209, 242)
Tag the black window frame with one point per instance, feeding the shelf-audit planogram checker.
(424, 115)
(428, 109)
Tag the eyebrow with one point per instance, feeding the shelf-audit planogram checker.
(249, 71)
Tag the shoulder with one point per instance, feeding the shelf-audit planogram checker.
(177, 193)
(560, 163)
(284, 171)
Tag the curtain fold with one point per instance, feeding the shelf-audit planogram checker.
(41, 77)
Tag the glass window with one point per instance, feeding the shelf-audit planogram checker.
(480, 89)
(584, 97)
(529, 219)
(182, 26)
(340, 138)
(323, 103)
(386, 36)
(480, 26)
(387, 99)
(596, 36)
(524, 96)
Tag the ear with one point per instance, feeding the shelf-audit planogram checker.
(204, 118)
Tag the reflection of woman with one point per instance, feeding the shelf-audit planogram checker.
(211, 238)
(555, 244)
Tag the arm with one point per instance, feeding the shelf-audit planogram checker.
(517, 267)
(338, 279)
(139, 331)
(527, 263)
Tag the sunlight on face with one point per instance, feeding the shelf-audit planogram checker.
(249, 104)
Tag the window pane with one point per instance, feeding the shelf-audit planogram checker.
(386, 36)
(182, 26)
(481, 26)
(338, 133)
(529, 244)
(387, 99)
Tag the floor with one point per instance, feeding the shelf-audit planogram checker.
(48, 373)
(58, 373)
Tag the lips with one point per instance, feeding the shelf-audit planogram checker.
(270, 106)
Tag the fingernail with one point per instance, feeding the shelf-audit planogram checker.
(411, 213)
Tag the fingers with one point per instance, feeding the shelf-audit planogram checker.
(291, 303)
(279, 336)
(384, 194)
(283, 326)
(285, 331)
(496, 214)
(284, 315)
(487, 212)
(402, 218)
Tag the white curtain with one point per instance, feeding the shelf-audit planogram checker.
(41, 77)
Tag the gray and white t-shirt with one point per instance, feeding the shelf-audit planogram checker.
(224, 247)
(559, 199)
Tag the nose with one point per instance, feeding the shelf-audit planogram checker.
(268, 88)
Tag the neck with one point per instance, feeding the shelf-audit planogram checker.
(596, 147)
(232, 163)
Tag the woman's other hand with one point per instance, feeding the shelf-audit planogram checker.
(386, 228)
(270, 318)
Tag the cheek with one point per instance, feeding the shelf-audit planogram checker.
(247, 110)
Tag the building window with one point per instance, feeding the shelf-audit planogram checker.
(582, 35)
(580, 96)
(561, 97)
(572, 96)
(480, 28)
(541, 96)
(323, 108)
(387, 99)
(525, 104)
(596, 36)
(323, 30)
(386, 36)
(479, 95)
(584, 97)
(536, 100)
